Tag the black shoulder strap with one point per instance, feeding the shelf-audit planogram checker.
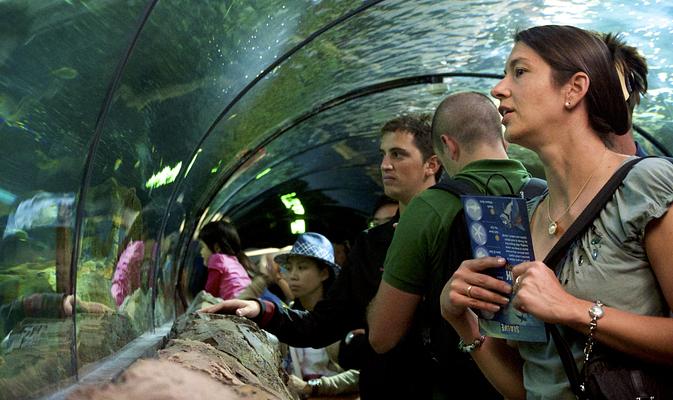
(458, 187)
(534, 187)
(557, 253)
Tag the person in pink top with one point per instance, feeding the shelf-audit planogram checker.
(222, 253)
(126, 277)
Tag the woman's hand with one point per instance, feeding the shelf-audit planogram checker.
(538, 292)
(471, 287)
(242, 308)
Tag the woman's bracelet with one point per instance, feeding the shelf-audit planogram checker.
(469, 348)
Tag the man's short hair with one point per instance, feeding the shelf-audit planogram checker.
(418, 125)
(469, 118)
(633, 66)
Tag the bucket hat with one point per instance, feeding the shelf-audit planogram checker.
(312, 245)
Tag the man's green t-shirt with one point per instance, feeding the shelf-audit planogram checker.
(417, 254)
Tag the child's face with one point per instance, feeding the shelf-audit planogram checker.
(304, 275)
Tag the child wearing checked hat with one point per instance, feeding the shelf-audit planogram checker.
(309, 269)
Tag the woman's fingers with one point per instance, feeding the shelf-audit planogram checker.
(474, 273)
(472, 287)
(484, 294)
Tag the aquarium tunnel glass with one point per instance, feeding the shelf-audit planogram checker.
(126, 125)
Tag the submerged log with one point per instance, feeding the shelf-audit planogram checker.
(207, 356)
(165, 380)
(233, 345)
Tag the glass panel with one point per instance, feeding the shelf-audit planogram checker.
(56, 61)
(50, 94)
(188, 63)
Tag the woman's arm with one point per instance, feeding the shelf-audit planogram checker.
(500, 363)
(650, 338)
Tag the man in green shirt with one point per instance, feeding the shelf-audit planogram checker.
(468, 140)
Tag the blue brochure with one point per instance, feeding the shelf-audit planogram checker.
(498, 226)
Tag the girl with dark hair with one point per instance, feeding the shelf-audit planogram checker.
(227, 264)
(561, 98)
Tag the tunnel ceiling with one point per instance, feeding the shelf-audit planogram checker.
(241, 102)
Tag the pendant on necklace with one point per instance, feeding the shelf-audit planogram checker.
(552, 228)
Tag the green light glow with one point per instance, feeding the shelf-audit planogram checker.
(298, 226)
(261, 174)
(163, 177)
(298, 208)
(287, 199)
(292, 203)
(216, 168)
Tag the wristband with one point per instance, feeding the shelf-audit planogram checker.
(469, 348)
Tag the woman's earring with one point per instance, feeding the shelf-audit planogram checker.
(567, 104)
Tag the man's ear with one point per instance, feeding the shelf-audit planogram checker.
(577, 88)
(451, 147)
(432, 165)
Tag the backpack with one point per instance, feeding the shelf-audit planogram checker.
(439, 340)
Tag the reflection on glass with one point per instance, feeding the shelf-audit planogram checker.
(35, 294)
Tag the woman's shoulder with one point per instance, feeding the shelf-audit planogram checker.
(651, 171)
(647, 190)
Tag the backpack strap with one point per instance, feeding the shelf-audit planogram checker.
(458, 187)
(559, 251)
(532, 188)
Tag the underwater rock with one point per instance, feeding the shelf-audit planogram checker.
(138, 308)
(37, 353)
(160, 379)
(25, 279)
(203, 299)
(218, 365)
(209, 356)
(99, 335)
(247, 349)
(93, 282)
(36, 357)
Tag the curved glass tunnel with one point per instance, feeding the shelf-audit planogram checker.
(126, 124)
